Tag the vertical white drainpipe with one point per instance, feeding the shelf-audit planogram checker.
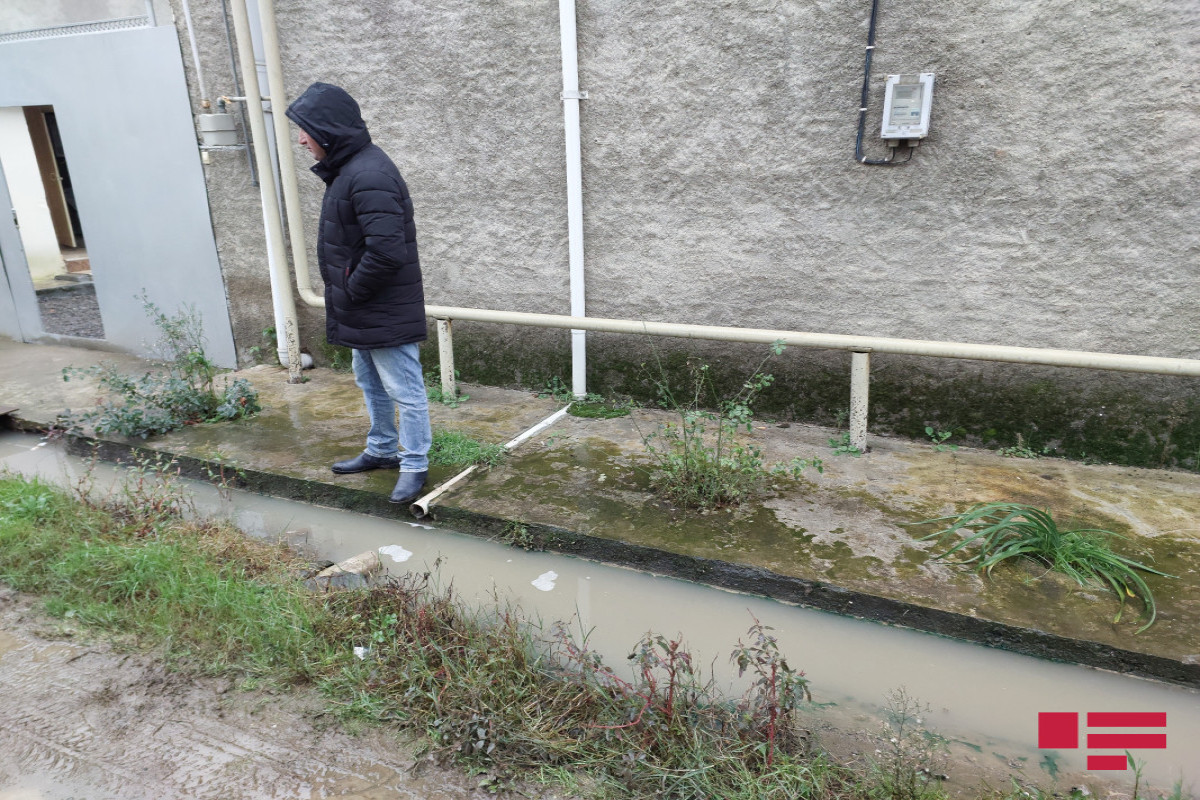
(187, 18)
(287, 339)
(283, 149)
(571, 97)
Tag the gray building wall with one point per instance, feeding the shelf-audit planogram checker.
(1053, 204)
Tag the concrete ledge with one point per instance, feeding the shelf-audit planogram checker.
(721, 574)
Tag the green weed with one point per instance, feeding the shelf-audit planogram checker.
(453, 448)
(699, 461)
(1021, 450)
(938, 439)
(910, 759)
(435, 393)
(181, 392)
(842, 447)
(998, 532)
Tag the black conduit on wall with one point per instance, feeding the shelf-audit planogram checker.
(862, 106)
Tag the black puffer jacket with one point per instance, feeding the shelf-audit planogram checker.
(367, 240)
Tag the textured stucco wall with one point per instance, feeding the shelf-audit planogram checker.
(1053, 204)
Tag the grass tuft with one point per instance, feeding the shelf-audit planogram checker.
(998, 532)
(453, 448)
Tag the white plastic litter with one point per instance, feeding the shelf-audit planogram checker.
(545, 581)
(398, 553)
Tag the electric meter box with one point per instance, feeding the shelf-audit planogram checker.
(906, 103)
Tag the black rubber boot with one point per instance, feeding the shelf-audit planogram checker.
(409, 487)
(364, 462)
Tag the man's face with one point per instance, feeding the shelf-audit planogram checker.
(310, 144)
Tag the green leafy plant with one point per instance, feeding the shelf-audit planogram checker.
(1021, 450)
(337, 357)
(181, 392)
(435, 393)
(266, 345)
(998, 532)
(938, 438)
(699, 461)
(842, 447)
(519, 535)
(776, 692)
(556, 388)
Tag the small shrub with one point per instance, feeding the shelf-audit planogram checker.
(1002, 531)
(181, 392)
(910, 758)
(777, 691)
(337, 357)
(698, 460)
(519, 535)
(558, 389)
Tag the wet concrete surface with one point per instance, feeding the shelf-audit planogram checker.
(842, 540)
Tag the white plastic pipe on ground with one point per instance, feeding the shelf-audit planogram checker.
(420, 507)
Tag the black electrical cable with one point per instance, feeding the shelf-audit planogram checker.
(862, 106)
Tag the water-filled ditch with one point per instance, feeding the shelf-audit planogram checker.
(985, 700)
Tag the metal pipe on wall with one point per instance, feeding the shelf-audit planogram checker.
(1116, 362)
(283, 149)
(571, 97)
(287, 338)
(187, 19)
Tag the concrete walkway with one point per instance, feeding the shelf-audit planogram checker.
(842, 540)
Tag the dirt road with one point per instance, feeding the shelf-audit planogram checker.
(81, 722)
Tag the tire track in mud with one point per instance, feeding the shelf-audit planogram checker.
(79, 721)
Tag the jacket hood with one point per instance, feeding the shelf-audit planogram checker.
(330, 116)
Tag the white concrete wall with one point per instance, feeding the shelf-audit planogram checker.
(28, 196)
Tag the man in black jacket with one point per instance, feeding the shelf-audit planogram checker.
(374, 304)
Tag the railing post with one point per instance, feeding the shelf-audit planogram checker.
(446, 358)
(860, 379)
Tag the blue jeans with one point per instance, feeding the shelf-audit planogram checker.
(390, 377)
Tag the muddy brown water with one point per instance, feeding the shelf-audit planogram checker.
(985, 701)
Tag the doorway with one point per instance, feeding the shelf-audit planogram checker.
(49, 224)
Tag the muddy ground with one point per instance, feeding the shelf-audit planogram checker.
(81, 721)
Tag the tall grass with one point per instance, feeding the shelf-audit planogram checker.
(999, 532)
(488, 689)
(201, 592)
